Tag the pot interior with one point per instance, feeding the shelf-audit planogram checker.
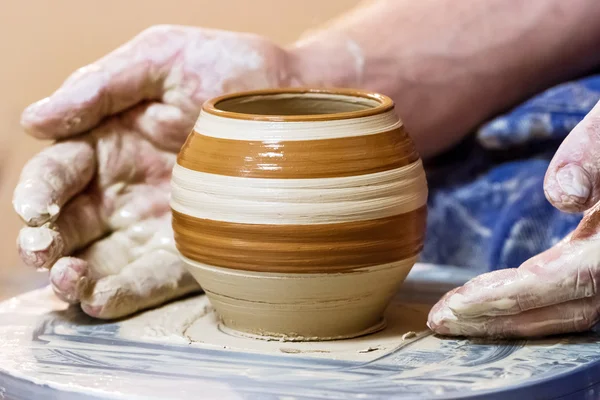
(300, 104)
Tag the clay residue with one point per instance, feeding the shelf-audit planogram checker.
(429, 365)
(288, 350)
(409, 335)
(369, 349)
(168, 324)
(193, 322)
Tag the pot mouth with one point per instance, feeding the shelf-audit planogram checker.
(299, 104)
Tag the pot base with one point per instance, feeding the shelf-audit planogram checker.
(381, 325)
(301, 307)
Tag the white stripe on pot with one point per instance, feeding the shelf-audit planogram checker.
(298, 201)
(239, 129)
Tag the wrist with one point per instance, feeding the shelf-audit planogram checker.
(330, 61)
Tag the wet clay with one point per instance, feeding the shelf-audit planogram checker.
(301, 248)
(194, 321)
(298, 159)
(299, 212)
(299, 307)
(298, 104)
(299, 201)
(52, 350)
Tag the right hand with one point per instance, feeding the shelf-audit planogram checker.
(96, 202)
(556, 291)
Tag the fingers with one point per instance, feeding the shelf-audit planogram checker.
(502, 292)
(574, 316)
(82, 221)
(123, 78)
(140, 203)
(554, 292)
(108, 285)
(589, 227)
(90, 216)
(568, 271)
(69, 279)
(165, 125)
(153, 279)
(573, 179)
(124, 157)
(39, 247)
(131, 185)
(557, 290)
(51, 178)
(110, 255)
(72, 277)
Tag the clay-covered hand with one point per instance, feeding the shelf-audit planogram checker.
(556, 291)
(96, 202)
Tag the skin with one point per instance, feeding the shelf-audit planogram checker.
(556, 291)
(96, 202)
(450, 65)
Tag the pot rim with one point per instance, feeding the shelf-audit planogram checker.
(385, 104)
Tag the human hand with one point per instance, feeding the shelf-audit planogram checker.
(97, 201)
(557, 290)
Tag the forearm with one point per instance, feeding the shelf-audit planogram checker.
(448, 64)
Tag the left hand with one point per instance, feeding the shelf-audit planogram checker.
(556, 291)
(96, 201)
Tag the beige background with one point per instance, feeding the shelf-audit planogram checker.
(42, 41)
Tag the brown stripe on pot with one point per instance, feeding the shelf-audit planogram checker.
(321, 248)
(299, 159)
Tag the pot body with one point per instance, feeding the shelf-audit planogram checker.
(300, 212)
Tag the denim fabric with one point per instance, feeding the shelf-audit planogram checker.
(487, 208)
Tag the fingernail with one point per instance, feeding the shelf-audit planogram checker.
(39, 247)
(574, 182)
(53, 210)
(64, 280)
(36, 239)
(462, 328)
(444, 322)
(438, 329)
(34, 108)
(33, 114)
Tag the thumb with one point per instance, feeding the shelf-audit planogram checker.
(572, 181)
(132, 73)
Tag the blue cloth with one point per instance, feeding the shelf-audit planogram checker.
(487, 208)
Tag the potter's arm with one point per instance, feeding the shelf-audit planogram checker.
(449, 65)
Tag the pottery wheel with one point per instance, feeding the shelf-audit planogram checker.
(179, 351)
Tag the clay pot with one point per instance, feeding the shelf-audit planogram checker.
(300, 212)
